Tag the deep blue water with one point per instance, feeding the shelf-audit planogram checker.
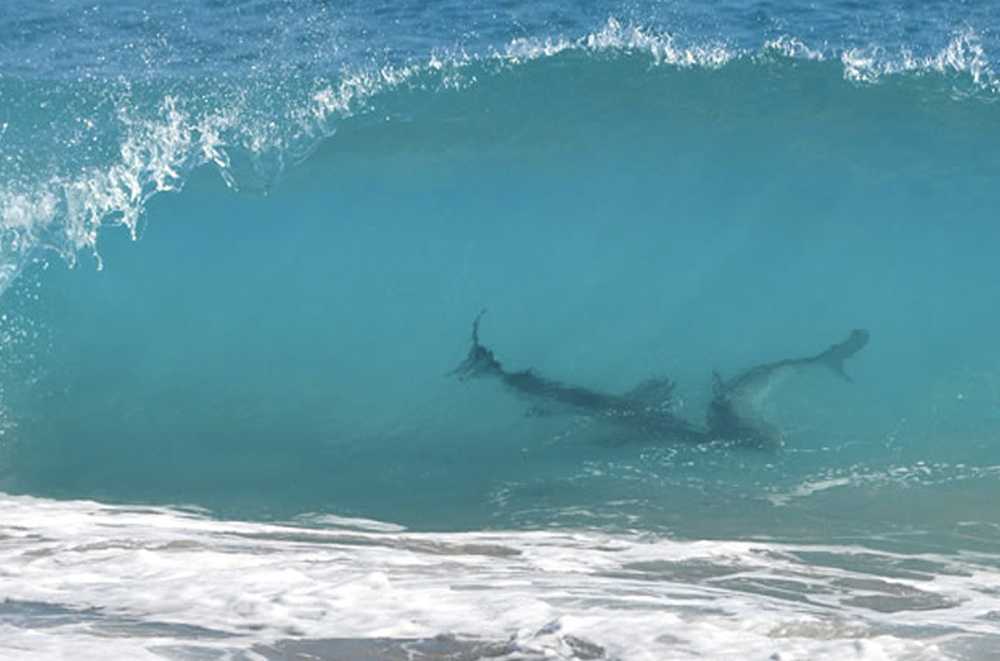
(242, 245)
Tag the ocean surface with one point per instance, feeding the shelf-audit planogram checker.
(243, 243)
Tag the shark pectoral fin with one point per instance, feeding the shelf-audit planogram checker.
(837, 367)
(839, 371)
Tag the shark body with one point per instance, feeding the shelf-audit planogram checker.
(648, 408)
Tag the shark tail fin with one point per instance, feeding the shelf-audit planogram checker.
(480, 361)
(835, 356)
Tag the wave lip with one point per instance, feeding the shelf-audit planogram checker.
(64, 212)
(273, 123)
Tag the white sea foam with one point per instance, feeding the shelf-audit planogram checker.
(920, 473)
(793, 47)
(807, 489)
(87, 580)
(964, 55)
(615, 36)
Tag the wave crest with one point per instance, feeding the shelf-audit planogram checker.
(158, 141)
(964, 55)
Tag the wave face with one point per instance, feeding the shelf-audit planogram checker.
(242, 245)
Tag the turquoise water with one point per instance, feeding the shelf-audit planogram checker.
(241, 252)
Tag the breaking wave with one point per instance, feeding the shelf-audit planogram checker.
(113, 144)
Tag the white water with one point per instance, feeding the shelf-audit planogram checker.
(84, 580)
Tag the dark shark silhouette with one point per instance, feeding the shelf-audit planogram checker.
(648, 408)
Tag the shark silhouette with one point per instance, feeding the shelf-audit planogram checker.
(648, 408)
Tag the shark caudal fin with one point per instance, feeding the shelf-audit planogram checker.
(480, 361)
(835, 356)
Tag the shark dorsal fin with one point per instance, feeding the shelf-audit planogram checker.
(655, 391)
